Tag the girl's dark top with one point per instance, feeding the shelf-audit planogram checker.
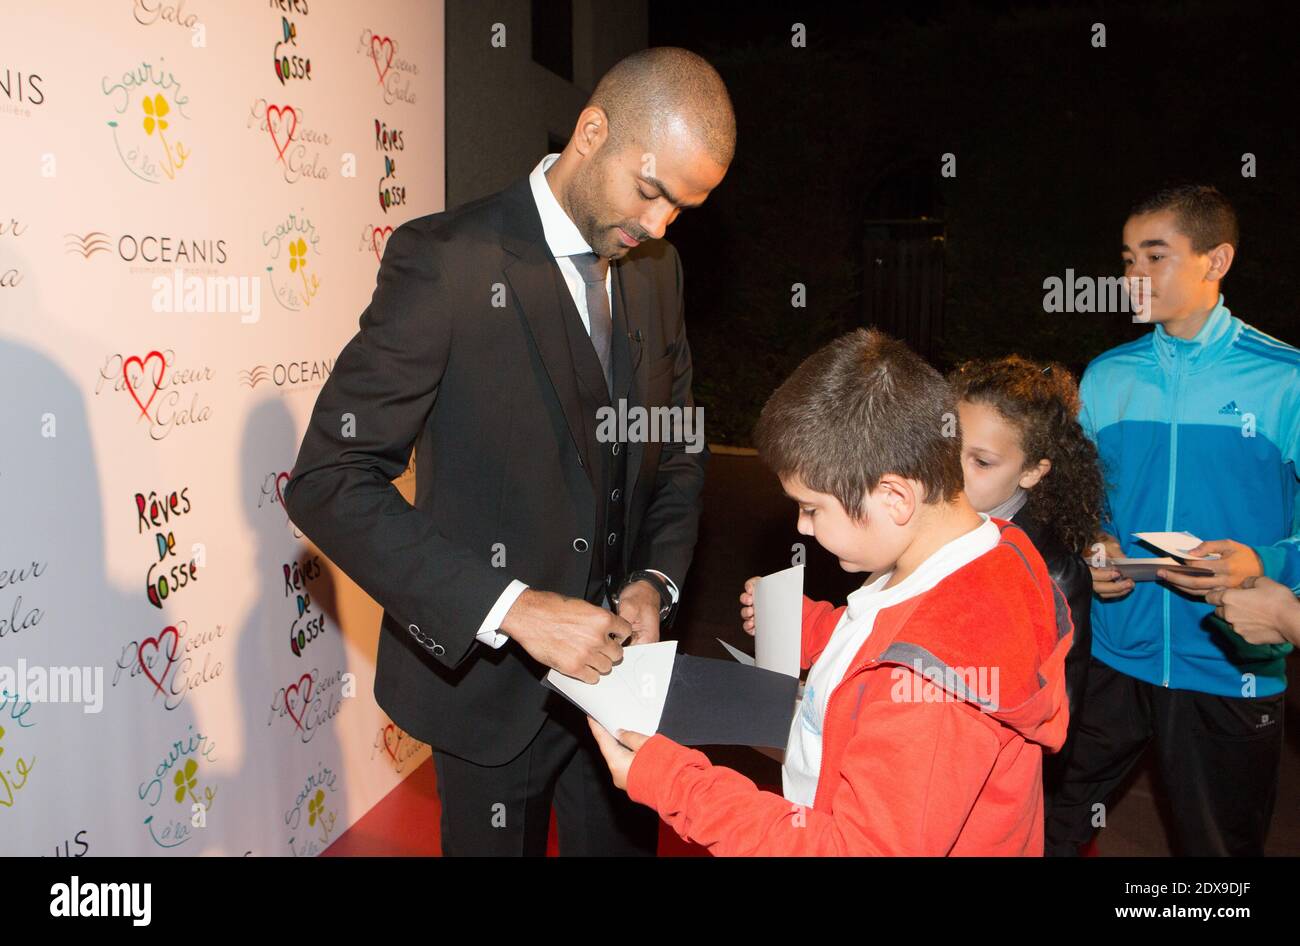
(1072, 576)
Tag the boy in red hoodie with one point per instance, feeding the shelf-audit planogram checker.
(930, 700)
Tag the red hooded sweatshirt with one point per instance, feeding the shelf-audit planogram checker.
(913, 763)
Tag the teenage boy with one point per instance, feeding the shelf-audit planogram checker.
(1198, 427)
(930, 701)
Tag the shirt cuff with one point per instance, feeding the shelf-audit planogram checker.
(488, 631)
(672, 589)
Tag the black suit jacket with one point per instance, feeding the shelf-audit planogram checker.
(463, 353)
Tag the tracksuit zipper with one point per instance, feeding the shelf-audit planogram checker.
(1169, 507)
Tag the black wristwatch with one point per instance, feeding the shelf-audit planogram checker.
(667, 607)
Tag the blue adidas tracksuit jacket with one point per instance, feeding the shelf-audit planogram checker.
(1200, 436)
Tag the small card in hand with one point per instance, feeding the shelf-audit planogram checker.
(1144, 569)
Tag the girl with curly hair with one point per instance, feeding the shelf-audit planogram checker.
(1026, 458)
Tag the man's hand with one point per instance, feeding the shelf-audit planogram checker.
(1261, 610)
(1236, 563)
(574, 637)
(747, 606)
(638, 605)
(1107, 582)
(617, 757)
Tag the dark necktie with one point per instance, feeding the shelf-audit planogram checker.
(593, 269)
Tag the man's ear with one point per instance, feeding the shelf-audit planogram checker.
(591, 130)
(1221, 258)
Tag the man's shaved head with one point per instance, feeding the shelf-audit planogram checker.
(656, 137)
(664, 90)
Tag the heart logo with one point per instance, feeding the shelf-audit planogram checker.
(157, 385)
(376, 44)
(379, 239)
(391, 729)
(280, 478)
(281, 113)
(156, 643)
(306, 697)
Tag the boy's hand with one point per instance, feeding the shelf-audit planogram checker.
(1235, 564)
(747, 605)
(1107, 582)
(638, 604)
(617, 757)
(1259, 610)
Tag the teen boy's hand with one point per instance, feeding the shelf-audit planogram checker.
(619, 752)
(1108, 583)
(1261, 610)
(1235, 564)
(747, 606)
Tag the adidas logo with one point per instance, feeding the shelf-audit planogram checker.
(1230, 408)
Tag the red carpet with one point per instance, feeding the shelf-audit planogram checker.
(405, 824)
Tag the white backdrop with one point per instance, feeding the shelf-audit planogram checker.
(193, 198)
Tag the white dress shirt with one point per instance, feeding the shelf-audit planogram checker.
(803, 755)
(564, 240)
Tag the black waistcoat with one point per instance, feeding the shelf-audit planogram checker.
(606, 458)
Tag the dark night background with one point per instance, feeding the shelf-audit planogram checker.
(836, 184)
(839, 149)
(838, 160)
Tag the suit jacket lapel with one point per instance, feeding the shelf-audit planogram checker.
(532, 274)
(530, 271)
(632, 298)
(627, 350)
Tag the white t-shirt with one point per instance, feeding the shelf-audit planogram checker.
(803, 753)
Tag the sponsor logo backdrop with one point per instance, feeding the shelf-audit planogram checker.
(195, 198)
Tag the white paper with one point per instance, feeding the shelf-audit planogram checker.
(632, 695)
(778, 621)
(739, 655)
(1175, 543)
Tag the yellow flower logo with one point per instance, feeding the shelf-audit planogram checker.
(297, 255)
(185, 780)
(154, 110)
(316, 806)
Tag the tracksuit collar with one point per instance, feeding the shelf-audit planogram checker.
(1204, 348)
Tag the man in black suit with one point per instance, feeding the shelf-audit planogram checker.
(497, 333)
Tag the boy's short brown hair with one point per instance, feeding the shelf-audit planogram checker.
(1204, 215)
(863, 406)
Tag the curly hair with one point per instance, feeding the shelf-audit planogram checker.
(1042, 403)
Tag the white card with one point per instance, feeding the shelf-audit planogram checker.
(632, 695)
(1175, 543)
(778, 621)
(739, 655)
